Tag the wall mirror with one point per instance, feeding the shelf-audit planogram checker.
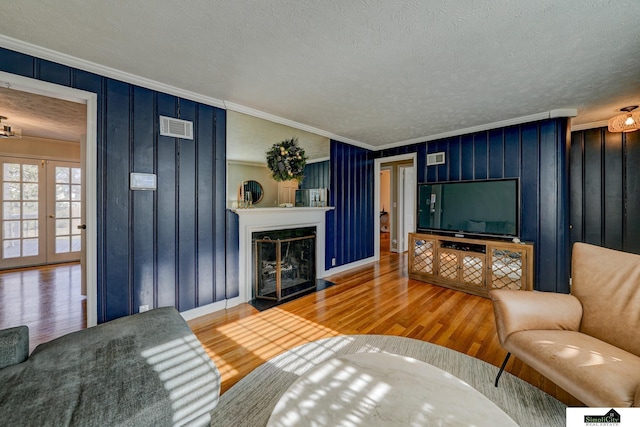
(248, 140)
(253, 191)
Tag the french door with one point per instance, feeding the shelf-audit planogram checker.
(41, 212)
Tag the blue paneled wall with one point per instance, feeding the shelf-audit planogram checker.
(605, 189)
(537, 153)
(350, 225)
(164, 247)
(316, 175)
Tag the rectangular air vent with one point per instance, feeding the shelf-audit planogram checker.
(435, 158)
(176, 128)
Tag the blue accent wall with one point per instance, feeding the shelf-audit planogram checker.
(350, 224)
(164, 247)
(316, 175)
(605, 189)
(538, 154)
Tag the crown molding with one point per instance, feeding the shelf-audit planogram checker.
(592, 125)
(568, 112)
(71, 61)
(318, 160)
(102, 70)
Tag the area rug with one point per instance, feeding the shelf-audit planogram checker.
(251, 401)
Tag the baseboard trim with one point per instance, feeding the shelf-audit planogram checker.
(350, 266)
(205, 309)
(233, 302)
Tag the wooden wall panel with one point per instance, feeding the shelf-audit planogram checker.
(496, 154)
(480, 156)
(512, 152)
(454, 160)
(223, 288)
(143, 218)
(116, 212)
(150, 242)
(613, 206)
(232, 260)
(605, 189)
(631, 191)
(466, 158)
(17, 63)
(316, 175)
(205, 200)
(576, 189)
(54, 73)
(442, 170)
(548, 204)
(351, 174)
(187, 209)
(167, 156)
(593, 147)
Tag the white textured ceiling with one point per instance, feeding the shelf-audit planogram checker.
(43, 117)
(374, 71)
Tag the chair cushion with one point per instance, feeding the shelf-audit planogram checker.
(595, 372)
(607, 283)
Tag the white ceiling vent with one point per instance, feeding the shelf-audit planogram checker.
(176, 128)
(435, 158)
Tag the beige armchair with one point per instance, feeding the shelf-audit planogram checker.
(588, 343)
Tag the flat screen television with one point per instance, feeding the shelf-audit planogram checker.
(470, 208)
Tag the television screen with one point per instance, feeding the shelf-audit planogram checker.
(470, 207)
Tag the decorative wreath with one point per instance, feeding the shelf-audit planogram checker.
(286, 160)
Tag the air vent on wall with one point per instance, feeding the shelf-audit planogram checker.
(435, 158)
(176, 128)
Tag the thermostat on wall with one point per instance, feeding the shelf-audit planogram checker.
(143, 181)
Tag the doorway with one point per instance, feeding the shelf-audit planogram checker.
(401, 201)
(385, 208)
(61, 234)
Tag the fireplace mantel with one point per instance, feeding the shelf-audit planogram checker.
(261, 219)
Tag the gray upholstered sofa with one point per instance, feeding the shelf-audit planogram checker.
(145, 369)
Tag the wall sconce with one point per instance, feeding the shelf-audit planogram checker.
(625, 122)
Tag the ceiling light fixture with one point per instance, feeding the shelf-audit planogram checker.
(7, 131)
(625, 122)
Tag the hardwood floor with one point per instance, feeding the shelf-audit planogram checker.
(47, 299)
(374, 299)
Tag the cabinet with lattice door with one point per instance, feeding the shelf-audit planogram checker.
(510, 266)
(422, 256)
(464, 267)
(471, 265)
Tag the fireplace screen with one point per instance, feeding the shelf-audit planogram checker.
(284, 263)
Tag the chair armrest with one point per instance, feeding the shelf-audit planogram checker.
(530, 310)
(14, 346)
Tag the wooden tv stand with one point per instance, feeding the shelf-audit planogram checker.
(474, 266)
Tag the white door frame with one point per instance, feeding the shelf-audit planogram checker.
(402, 202)
(376, 194)
(52, 90)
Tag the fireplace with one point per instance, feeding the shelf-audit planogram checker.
(284, 263)
(268, 219)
